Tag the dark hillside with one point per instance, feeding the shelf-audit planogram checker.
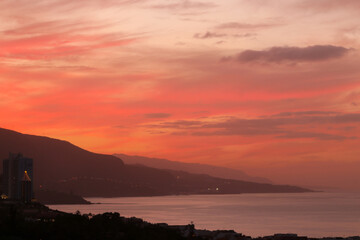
(56, 159)
(64, 167)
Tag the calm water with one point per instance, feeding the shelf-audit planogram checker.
(310, 214)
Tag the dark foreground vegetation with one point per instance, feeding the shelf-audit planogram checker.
(19, 221)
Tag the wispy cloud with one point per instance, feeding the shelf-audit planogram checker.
(279, 125)
(326, 5)
(222, 35)
(56, 39)
(245, 26)
(280, 54)
(316, 135)
(184, 5)
(304, 113)
(58, 45)
(157, 115)
(209, 35)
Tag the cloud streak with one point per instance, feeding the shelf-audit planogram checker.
(293, 54)
(209, 35)
(56, 39)
(185, 5)
(57, 45)
(222, 35)
(157, 115)
(327, 5)
(245, 26)
(279, 125)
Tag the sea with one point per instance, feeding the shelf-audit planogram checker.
(317, 214)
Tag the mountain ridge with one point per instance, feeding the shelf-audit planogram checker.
(64, 167)
(196, 168)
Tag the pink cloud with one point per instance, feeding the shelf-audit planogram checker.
(326, 5)
(58, 45)
(245, 26)
(184, 5)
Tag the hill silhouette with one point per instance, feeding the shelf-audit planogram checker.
(64, 167)
(197, 168)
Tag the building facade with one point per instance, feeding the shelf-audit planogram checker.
(14, 170)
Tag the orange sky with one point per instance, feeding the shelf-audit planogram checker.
(269, 87)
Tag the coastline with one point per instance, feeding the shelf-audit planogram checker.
(50, 197)
(22, 217)
(309, 214)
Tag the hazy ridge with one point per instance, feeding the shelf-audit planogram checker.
(64, 167)
(197, 168)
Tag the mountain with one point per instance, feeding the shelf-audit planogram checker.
(197, 168)
(56, 159)
(64, 167)
(60, 165)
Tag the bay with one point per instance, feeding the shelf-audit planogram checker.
(320, 214)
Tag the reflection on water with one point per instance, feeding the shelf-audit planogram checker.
(310, 214)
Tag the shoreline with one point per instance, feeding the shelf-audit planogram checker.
(252, 214)
(79, 200)
(41, 216)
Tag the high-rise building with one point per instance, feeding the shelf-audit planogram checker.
(18, 177)
(26, 188)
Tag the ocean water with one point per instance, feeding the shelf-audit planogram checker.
(309, 214)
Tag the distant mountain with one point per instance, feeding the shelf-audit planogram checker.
(215, 171)
(64, 167)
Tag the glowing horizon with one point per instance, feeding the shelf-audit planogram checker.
(269, 88)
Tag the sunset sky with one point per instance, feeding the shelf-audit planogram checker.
(268, 87)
